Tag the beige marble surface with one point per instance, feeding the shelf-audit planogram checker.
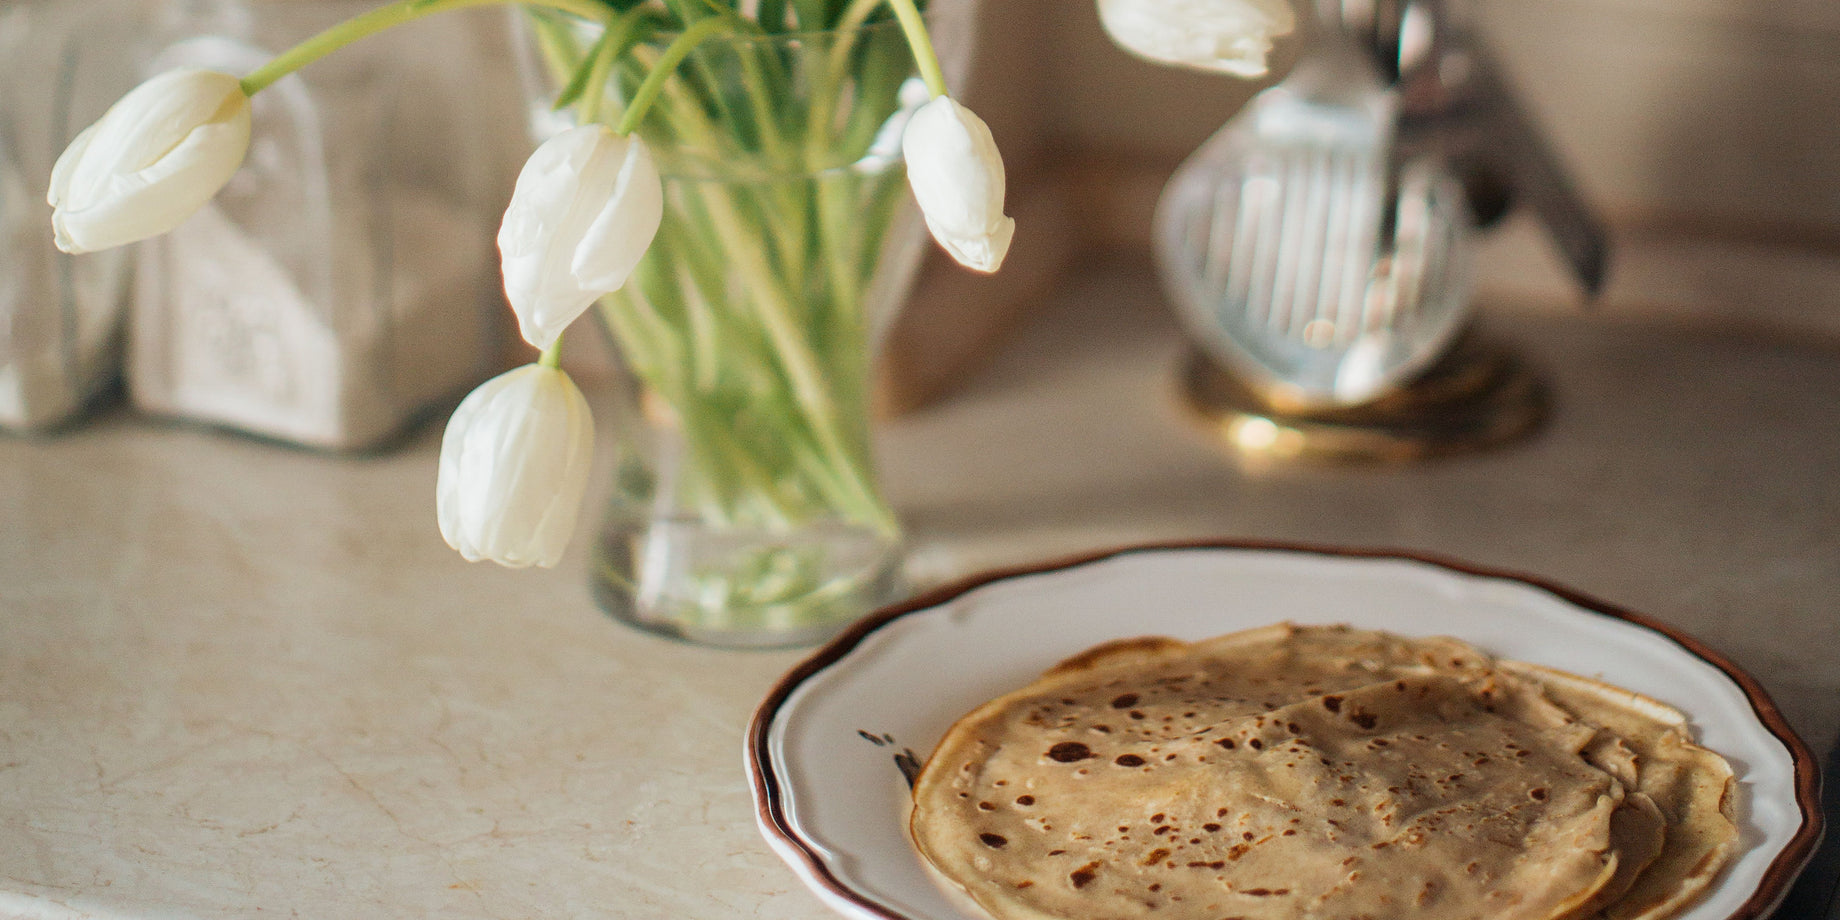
(240, 680)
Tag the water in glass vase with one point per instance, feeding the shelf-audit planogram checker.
(745, 509)
(752, 587)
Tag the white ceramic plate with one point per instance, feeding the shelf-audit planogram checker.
(827, 750)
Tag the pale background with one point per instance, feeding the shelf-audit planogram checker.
(1706, 132)
(1676, 112)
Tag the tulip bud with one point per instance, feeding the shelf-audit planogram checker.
(1231, 36)
(957, 176)
(585, 209)
(514, 466)
(150, 162)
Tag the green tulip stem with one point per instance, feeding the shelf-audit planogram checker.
(617, 40)
(387, 17)
(552, 356)
(922, 44)
(674, 54)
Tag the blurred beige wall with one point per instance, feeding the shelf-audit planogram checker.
(1706, 132)
(1713, 112)
(1718, 115)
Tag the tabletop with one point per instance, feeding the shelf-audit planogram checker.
(238, 679)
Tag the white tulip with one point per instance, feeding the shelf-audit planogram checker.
(1232, 36)
(585, 209)
(957, 176)
(514, 467)
(151, 161)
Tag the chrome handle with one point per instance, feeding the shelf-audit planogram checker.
(1453, 101)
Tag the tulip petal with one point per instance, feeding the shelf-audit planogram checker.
(981, 253)
(66, 164)
(136, 206)
(958, 179)
(1228, 36)
(586, 207)
(151, 161)
(611, 247)
(514, 466)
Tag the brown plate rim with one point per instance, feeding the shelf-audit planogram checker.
(770, 806)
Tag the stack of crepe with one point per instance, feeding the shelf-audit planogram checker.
(1316, 772)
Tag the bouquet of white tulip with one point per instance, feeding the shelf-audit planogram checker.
(587, 207)
(745, 505)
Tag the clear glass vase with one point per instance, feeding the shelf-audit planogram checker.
(745, 508)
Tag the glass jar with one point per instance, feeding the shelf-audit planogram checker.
(1307, 250)
(62, 63)
(345, 279)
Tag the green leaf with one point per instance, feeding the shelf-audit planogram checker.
(578, 81)
(772, 15)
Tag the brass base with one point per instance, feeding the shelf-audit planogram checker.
(1479, 395)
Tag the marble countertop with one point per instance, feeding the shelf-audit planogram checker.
(242, 680)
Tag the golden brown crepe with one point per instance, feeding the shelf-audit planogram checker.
(1305, 772)
(1692, 787)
